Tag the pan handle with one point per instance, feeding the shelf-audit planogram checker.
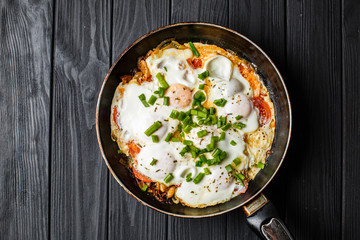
(264, 220)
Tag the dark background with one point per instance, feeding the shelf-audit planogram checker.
(54, 56)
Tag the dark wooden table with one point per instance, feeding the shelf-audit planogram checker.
(54, 56)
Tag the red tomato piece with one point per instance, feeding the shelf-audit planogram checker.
(264, 110)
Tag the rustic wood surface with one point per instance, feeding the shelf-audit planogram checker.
(54, 56)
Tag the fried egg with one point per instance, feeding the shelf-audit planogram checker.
(188, 120)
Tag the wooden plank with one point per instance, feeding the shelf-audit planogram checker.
(313, 185)
(202, 11)
(211, 11)
(262, 22)
(25, 70)
(351, 116)
(132, 19)
(78, 174)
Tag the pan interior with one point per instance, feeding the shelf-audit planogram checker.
(224, 38)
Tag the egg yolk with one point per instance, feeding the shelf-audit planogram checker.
(180, 96)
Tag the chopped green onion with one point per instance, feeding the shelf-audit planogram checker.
(120, 152)
(156, 92)
(207, 171)
(214, 139)
(161, 92)
(182, 134)
(162, 81)
(153, 128)
(223, 121)
(237, 161)
(144, 188)
(238, 117)
(199, 96)
(174, 114)
(198, 163)
(210, 147)
(203, 159)
(214, 119)
(193, 153)
(201, 122)
(165, 69)
(193, 112)
(152, 100)
(212, 110)
(188, 177)
(142, 97)
(199, 177)
(216, 152)
(203, 75)
(184, 150)
(239, 125)
(201, 114)
(232, 142)
(242, 177)
(223, 155)
(168, 178)
(202, 133)
(143, 100)
(222, 136)
(179, 127)
(201, 86)
(226, 127)
(203, 151)
(220, 102)
(260, 165)
(186, 121)
(181, 116)
(167, 139)
(155, 138)
(153, 162)
(187, 129)
(166, 101)
(188, 142)
(229, 168)
(175, 139)
(193, 49)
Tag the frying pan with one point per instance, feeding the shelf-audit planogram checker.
(261, 214)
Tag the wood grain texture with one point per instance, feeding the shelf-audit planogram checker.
(313, 185)
(78, 174)
(25, 70)
(264, 23)
(129, 219)
(351, 118)
(213, 12)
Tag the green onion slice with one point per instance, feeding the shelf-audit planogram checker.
(168, 178)
(260, 165)
(152, 100)
(153, 162)
(198, 178)
(237, 161)
(229, 168)
(203, 75)
(153, 128)
(144, 187)
(167, 139)
(155, 138)
(193, 49)
(162, 81)
(232, 142)
(188, 142)
(202, 133)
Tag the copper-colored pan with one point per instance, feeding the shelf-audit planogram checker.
(260, 212)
